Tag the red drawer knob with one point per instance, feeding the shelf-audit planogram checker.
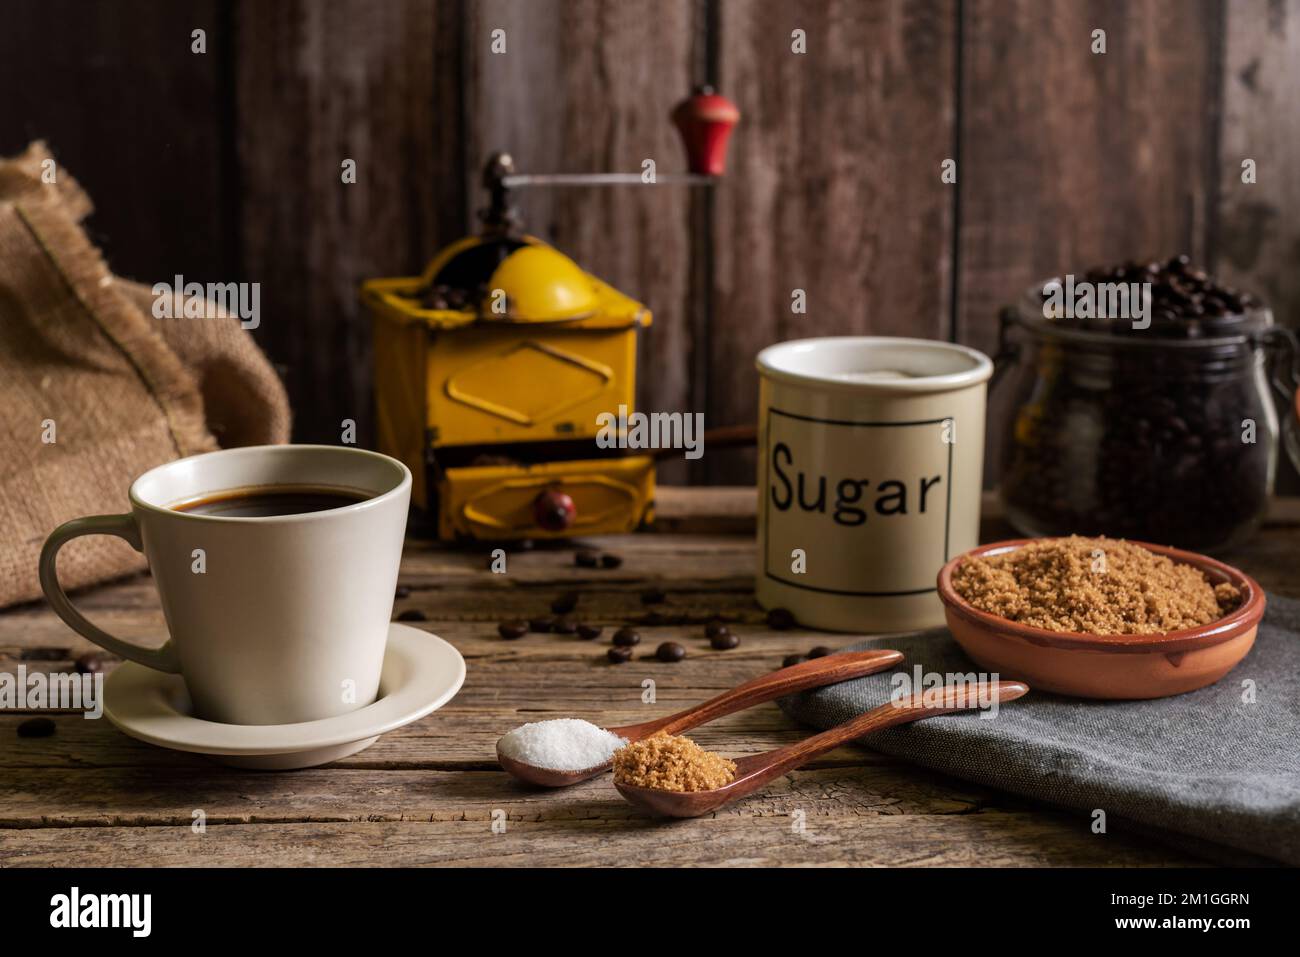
(705, 121)
(554, 510)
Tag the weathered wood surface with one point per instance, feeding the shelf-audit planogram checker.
(426, 794)
(980, 838)
(1258, 239)
(141, 120)
(317, 85)
(1072, 158)
(833, 185)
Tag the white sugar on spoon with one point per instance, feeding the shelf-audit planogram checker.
(561, 744)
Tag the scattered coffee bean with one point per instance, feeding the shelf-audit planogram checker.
(780, 619)
(724, 641)
(541, 625)
(670, 651)
(821, 651)
(403, 591)
(586, 558)
(589, 632)
(618, 655)
(789, 660)
(412, 614)
(512, 630)
(36, 728)
(627, 637)
(609, 560)
(653, 619)
(653, 596)
(565, 603)
(91, 663)
(564, 626)
(715, 628)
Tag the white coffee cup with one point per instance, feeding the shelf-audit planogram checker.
(275, 619)
(871, 451)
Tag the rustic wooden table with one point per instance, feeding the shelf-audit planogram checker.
(430, 792)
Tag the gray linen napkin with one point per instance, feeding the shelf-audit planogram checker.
(1209, 764)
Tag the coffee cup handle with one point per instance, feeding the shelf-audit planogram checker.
(124, 527)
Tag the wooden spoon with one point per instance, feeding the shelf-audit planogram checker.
(801, 677)
(756, 770)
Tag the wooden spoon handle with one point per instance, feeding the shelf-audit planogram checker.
(801, 677)
(961, 698)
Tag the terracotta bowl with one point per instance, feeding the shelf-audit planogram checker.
(1107, 666)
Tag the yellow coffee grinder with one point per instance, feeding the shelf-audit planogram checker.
(492, 366)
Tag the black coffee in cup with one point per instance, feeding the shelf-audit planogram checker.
(263, 501)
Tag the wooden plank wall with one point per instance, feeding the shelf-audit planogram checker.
(833, 186)
(227, 165)
(146, 135)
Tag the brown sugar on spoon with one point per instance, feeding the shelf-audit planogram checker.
(1098, 586)
(670, 762)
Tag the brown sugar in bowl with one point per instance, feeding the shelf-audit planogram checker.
(1107, 666)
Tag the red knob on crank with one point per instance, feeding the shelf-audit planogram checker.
(705, 121)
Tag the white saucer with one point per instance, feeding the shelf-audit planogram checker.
(421, 673)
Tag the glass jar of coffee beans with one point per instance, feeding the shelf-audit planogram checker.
(1140, 407)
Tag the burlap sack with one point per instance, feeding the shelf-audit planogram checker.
(93, 389)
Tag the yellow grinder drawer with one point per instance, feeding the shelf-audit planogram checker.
(501, 385)
(495, 502)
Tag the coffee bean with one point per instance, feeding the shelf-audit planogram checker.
(586, 558)
(715, 628)
(780, 619)
(626, 637)
(609, 560)
(618, 655)
(821, 651)
(789, 660)
(36, 728)
(541, 625)
(1158, 454)
(653, 596)
(565, 603)
(512, 630)
(589, 632)
(403, 591)
(564, 626)
(724, 641)
(412, 614)
(653, 619)
(670, 651)
(91, 663)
